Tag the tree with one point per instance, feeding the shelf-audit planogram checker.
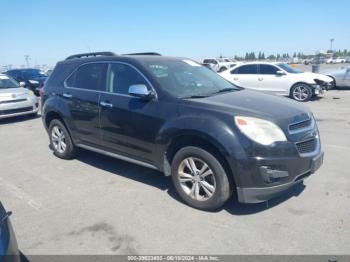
(271, 57)
(246, 57)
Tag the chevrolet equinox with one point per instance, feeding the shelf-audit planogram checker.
(171, 114)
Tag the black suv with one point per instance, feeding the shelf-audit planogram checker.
(176, 116)
(33, 79)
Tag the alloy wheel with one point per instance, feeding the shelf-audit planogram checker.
(196, 178)
(58, 139)
(301, 93)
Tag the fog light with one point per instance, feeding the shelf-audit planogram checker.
(272, 175)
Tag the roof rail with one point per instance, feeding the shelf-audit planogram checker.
(91, 54)
(144, 53)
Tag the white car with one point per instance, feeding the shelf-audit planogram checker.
(340, 60)
(341, 77)
(16, 100)
(218, 64)
(278, 78)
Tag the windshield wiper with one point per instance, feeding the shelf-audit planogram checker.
(194, 96)
(224, 90)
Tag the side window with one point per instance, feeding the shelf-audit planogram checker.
(268, 69)
(90, 77)
(121, 77)
(246, 70)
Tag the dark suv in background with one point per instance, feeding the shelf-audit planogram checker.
(34, 79)
(176, 116)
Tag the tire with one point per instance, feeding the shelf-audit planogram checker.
(208, 192)
(301, 92)
(334, 86)
(222, 69)
(33, 114)
(60, 140)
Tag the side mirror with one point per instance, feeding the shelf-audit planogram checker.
(22, 84)
(141, 91)
(348, 70)
(280, 73)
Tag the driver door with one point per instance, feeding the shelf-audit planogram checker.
(128, 124)
(271, 82)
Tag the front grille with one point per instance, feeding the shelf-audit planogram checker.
(17, 110)
(13, 101)
(299, 125)
(307, 146)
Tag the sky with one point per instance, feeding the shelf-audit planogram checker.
(49, 31)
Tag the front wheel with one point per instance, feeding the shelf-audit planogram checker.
(301, 92)
(200, 179)
(222, 69)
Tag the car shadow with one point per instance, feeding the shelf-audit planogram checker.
(157, 179)
(235, 208)
(316, 98)
(125, 169)
(341, 88)
(18, 119)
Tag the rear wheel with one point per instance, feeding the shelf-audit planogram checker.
(61, 141)
(301, 92)
(200, 179)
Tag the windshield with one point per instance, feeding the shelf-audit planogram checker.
(185, 78)
(6, 82)
(33, 73)
(289, 69)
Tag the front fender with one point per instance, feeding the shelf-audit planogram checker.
(219, 132)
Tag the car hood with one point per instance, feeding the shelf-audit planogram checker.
(313, 76)
(13, 93)
(340, 71)
(282, 111)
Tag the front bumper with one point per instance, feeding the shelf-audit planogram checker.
(12, 109)
(261, 194)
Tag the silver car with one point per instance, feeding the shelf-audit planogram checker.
(340, 76)
(16, 100)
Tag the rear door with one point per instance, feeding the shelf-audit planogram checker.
(245, 76)
(129, 125)
(81, 94)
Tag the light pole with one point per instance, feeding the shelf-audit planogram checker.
(331, 40)
(27, 58)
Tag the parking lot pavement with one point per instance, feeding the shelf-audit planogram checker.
(98, 205)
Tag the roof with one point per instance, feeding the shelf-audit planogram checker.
(262, 62)
(125, 58)
(22, 69)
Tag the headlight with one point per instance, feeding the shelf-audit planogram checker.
(261, 131)
(30, 93)
(33, 82)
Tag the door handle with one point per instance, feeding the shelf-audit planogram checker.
(105, 104)
(260, 79)
(67, 95)
(235, 78)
